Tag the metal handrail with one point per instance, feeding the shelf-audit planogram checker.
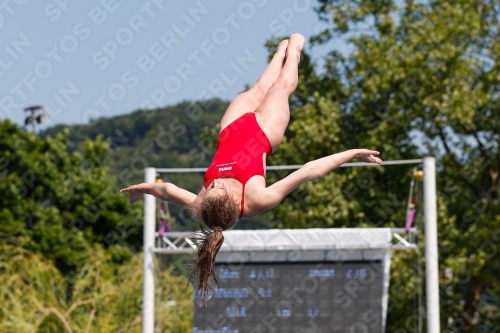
(297, 166)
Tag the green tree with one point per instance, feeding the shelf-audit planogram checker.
(422, 79)
(68, 239)
(59, 203)
(105, 297)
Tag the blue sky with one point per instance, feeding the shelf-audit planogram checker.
(84, 60)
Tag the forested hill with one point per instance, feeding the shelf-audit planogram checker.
(165, 137)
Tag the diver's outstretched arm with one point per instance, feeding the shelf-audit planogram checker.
(273, 195)
(325, 165)
(163, 191)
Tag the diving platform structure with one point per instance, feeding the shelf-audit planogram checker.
(296, 245)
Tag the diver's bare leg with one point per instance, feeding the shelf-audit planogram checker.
(274, 113)
(273, 70)
(253, 97)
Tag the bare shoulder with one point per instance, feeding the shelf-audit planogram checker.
(265, 198)
(258, 199)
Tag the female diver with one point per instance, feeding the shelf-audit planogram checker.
(234, 185)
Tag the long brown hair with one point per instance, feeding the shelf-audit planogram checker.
(218, 213)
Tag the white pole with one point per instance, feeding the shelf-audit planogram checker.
(385, 287)
(148, 288)
(431, 245)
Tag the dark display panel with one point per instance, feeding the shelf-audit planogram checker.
(294, 297)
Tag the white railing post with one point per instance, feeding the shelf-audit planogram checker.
(431, 245)
(148, 288)
(385, 287)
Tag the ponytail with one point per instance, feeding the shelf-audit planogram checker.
(209, 244)
(218, 213)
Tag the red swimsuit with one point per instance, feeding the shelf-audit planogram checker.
(239, 153)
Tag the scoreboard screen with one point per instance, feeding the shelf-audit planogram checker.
(294, 297)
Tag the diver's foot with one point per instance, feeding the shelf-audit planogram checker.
(296, 44)
(282, 46)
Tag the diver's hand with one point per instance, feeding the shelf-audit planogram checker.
(368, 156)
(137, 191)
